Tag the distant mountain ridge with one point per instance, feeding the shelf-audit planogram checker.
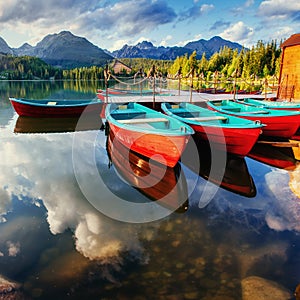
(148, 50)
(67, 51)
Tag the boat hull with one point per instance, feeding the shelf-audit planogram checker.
(283, 125)
(33, 110)
(230, 139)
(164, 149)
(148, 132)
(221, 131)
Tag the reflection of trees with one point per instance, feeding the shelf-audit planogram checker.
(46, 89)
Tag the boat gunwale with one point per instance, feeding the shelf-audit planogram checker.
(248, 124)
(270, 113)
(167, 132)
(71, 103)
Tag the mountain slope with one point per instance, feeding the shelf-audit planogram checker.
(212, 45)
(68, 51)
(4, 48)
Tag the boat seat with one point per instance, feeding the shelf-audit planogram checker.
(51, 103)
(230, 108)
(127, 114)
(182, 112)
(212, 118)
(143, 120)
(254, 112)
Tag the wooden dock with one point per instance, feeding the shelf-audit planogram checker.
(183, 96)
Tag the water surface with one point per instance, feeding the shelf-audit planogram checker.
(55, 243)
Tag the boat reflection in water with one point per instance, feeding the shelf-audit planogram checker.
(277, 154)
(233, 176)
(91, 121)
(156, 181)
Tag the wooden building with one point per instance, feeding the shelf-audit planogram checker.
(289, 77)
(120, 68)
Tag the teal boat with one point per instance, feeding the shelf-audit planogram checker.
(279, 123)
(222, 131)
(148, 132)
(281, 105)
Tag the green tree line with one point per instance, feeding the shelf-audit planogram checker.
(26, 68)
(261, 61)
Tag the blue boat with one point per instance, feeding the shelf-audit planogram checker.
(279, 123)
(222, 131)
(280, 105)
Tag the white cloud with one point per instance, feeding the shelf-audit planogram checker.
(279, 8)
(34, 19)
(238, 32)
(206, 7)
(249, 3)
(165, 41)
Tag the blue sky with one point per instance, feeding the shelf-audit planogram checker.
(110, 24)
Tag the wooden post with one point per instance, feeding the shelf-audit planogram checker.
(266, 85)
(192, 83)
(234, 84)
(106, 83)
(152, 74)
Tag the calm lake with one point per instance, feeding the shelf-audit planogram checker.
(65, 233)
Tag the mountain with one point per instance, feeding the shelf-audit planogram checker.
(4, 48)
(147, 50)
(211, 46)
(143, 50)
(66, 50)
(25, 49)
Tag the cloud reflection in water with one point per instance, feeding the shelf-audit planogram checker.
(39, 168)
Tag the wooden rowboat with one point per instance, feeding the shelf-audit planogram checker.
(222, 131)
(279, 123)
(148, 132)
(167, 186)
(284, 105)
(54, 108)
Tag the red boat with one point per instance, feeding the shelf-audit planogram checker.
(148, 132)
(279, 123)
(221, 131)
(54, 108)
